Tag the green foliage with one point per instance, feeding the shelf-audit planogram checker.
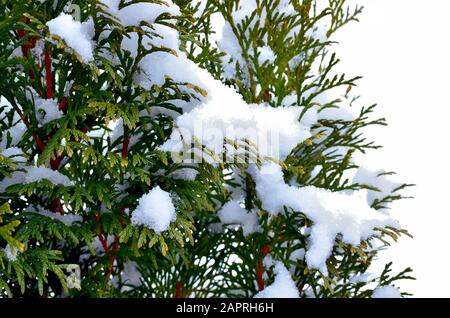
(7, 230)
(197, 256)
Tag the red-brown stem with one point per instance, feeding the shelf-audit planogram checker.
(56, 206)
(259, 275)
(26, 48)
(110, 252)
(85, 129)
(101, 237)
(63, 103)
(48, 74)
(265, 249)
(115, 247)
(178, 289)
(39, 143)
(125, 145)
(38, 140)
(54, 163)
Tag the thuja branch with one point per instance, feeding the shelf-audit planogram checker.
(48, 73)
(265, 249)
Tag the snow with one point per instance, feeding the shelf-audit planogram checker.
(77, 35)
(14, 153)
(16, 131)
(67, 219)
(386, 292)
(155, 67)
(10, 254)
(158, 65)
(229, 44)
(363, 278)
(224, 114)
(345, 113)
(286, 7)
(137, 12)
(315, 171)
(155, 210)
(282, 287)
(35, 174)
(331, 213)
(97, 246)
(130, 276)
(233, 213)
(73, 279)
(201, 7)
(297, 255)
(377, 179)
(46, 110)
(187, 174)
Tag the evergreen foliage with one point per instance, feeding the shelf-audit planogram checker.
(72, 234)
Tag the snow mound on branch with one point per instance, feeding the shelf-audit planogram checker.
(16, 131)
(14, 153)
(10, 254)
(224, 114)
(233, 213)
(265, 55)
(155, 210)
(131, 277)
(229, 44)
(386, 292)
(159, 65)
(35, 174)
(135, 13)
(331, 213)
(77, 35)
(67, 219)
(282, 287)
(187, 174)
(47, 110)
(378, 179)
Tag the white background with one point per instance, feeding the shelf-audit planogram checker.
(402, 49)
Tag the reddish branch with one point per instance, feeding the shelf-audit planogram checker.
(125, 145)
(104, 241)
(54, 163)
(31, 42)
(26, 47)
(56, 205)
(63, 103)
(111, 252)
(48, 74)
(179, 290)
(101, 237)
(115, 247)
(265, 249)
(38, 140)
